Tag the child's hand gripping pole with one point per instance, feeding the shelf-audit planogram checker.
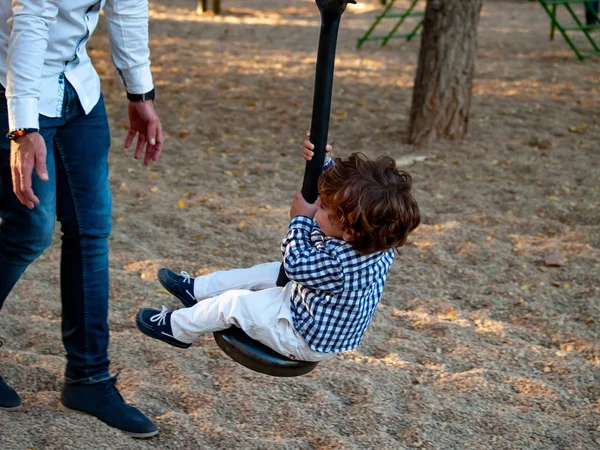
(331, 14)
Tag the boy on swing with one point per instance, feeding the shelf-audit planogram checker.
(337, 254)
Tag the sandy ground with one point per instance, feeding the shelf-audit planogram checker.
(487, 334)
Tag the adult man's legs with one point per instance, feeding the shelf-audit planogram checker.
(24, 233)
(84, 208)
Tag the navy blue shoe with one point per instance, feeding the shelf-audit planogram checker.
(9, 399)
(181, 286)
(157, 325)
(103, 401)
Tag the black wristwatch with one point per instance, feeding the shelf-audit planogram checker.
(18, 132)
(141, 97)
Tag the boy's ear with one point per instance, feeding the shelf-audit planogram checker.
(348, 235)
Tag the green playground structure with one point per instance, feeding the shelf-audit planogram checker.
(401, 17)
(551, 6)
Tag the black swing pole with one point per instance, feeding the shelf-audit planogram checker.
(331, 14)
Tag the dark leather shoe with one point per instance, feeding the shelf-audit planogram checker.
(9, 399)
(181, 286)
(157, 325)
(103, 401)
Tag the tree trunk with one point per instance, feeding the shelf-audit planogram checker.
(444, 81)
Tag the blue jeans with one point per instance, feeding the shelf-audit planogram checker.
(78, 195)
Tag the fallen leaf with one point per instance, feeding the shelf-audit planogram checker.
(340, 114)
(542, 144)
(555, 260)
(410, 160)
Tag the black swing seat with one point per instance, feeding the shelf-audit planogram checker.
(258, 357)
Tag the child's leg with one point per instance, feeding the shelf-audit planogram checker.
(259, 313)
(261, 276)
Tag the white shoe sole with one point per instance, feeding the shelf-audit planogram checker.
(128, 433)
(14, 408)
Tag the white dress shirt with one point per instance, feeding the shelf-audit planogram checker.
(42, 42)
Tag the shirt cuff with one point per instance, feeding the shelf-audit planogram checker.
(302, 223)
(138, 80)
(23, 113)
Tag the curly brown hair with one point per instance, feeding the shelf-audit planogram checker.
(372, 199)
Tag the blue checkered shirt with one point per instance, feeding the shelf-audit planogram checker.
(335, 289)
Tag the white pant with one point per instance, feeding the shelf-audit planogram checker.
(249, 299)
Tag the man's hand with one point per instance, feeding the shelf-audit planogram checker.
(144, 122)
(301, 207)
(27, 152)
